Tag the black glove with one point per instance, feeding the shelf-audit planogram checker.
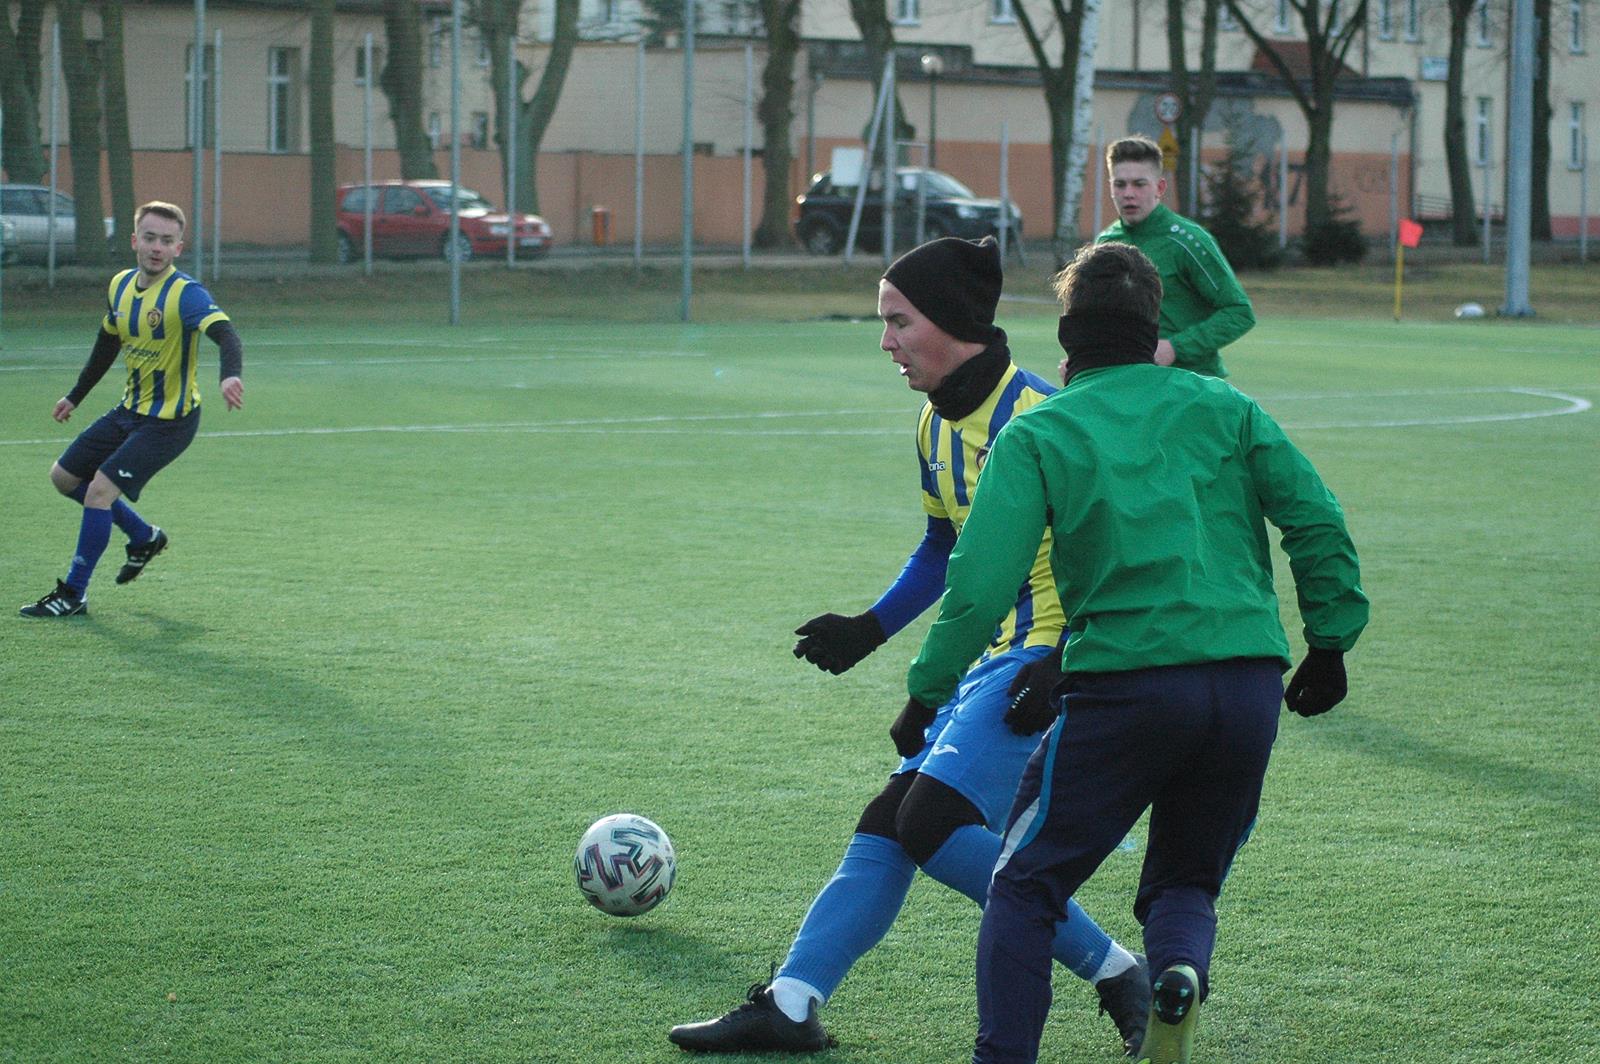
(1033, 709)
(1318, 684)
(835, 644)
(909, 730)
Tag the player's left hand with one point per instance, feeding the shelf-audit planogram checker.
(1033, 709)
(910, 729)
(233, 393)
(1318, 684)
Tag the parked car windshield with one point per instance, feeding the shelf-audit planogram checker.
(466, 199)
(939, 184)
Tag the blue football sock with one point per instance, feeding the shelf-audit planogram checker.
(966, 863)
(136, 528)
(853, 912)
(93, 535)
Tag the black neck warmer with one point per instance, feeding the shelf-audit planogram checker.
(970, 383)
(1094, 339)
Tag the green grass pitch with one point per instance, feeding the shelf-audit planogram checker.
(438, 598)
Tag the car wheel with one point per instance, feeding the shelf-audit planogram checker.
(460, 252)
(347, 251)
(821, 237)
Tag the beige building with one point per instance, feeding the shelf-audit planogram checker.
(1390, 103)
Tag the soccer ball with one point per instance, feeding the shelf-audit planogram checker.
(625, 865)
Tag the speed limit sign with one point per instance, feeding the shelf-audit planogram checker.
(1168, 107)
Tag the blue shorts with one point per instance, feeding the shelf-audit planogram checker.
(969, 744)
(129, 448)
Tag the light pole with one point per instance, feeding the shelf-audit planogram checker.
(933, 66)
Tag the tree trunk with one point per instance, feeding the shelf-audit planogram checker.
(402, 84)
(1539, 212)
(324, 160)
(119, 143)
(24, 152)
(535, 116)
(1196, 91)
(1464, 228)
(877, 35)
(82, 79)
(776, 113)
(1319, 153)
(497, 22)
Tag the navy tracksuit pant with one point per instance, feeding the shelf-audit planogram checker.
(1188, 742)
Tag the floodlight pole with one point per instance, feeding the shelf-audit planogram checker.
(455, 161)
(366, 158)
(687, 293)
(50, 217)
(513, 101)
(638, 157)
(749, 142)
(1283, 190)
(1005, 187)
(891, 152)
(1583, 198)
(1394, 189)
(197, 127)
(1100, 190)
(1519, 164)
(216, 160)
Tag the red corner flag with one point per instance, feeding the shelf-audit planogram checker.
(1410, 233)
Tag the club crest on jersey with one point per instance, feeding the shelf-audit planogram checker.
(153, 317)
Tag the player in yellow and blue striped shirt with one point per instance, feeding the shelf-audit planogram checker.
(944, 806)
(155, 317)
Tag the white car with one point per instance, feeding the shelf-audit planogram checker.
(25, 209)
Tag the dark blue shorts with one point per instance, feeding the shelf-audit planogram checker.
(129, 448)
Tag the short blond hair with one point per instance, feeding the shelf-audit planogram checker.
(165, 210)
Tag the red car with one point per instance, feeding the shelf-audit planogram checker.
(412, 218)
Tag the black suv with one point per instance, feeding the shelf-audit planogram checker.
(951, 210)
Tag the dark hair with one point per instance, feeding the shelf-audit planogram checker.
(170, 211)
(1135, 149)
(1110, 277)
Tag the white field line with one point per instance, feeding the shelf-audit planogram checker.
(702, 424)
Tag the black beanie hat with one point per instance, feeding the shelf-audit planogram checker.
(954, 282)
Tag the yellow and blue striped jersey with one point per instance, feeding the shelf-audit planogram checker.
(160, 327)
(952, 455)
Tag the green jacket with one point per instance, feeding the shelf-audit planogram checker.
(1203, 307)
(1157, 487)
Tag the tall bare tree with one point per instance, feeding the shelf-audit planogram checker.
(1458, 166)
(1539, 212)
(19, 91)
(82, 77)
(1329, 27)
(324, 158)
(497, 21)
(1195, 90)
(119, 142)
(1068, 93)
(781, 19)
(877, 35)
(401, 81)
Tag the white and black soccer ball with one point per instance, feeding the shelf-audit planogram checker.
(625, 864)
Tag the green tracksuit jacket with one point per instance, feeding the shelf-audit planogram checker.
(1158, 487)
(1203, 307)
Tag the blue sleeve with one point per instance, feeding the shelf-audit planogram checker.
(197, 308)
(921, 582)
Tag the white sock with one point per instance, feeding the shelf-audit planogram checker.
(794, 997)
(1118, 960)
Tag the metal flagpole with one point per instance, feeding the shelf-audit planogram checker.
(55, 137)
(866, 170)
(891, 159)
(1394, 189)
(638, 157)
(1583, 198)
(197, 127)
(1488, 204)
(513, 101)
(455, 161)
(1099, 189)
(688, 160)
(216, 160)
(749, 138)
(366, 157)
(1283, 190)
(1519, 163)
(1194, 170)
(1005, 186)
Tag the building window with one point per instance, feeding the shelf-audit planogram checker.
(1225, 19)
(1386, 20)
(1575, 30)
(1480, 22)
(1002, 11)
(361, 62)
(483, 49)
(907, 12)
(435, 130)
(609, 13)
(1575, 136)
(1480, 129)
(436, 36)
(208, 121)
(480, 129)
(1413, 20)
(1280, 20)
(283, 99)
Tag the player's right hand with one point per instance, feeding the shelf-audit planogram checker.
(835, 644)
(64, 409)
